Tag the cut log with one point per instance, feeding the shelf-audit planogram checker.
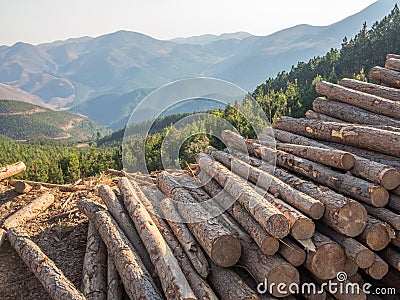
(268, 244)
(350, 267)
(366, 101)
(370, 88)
(391, 55)
(10, 170)
(352, 114)
(393, 64)
(377, 234)
(310, 114)
(369, 138)
(217, 241)
(396, 240)
(327, 260)
(185, 238)
(3, 235)
(312, 290)
(385, 215)
(136, 279)
(173, 280)
(378, 269)
(120, 215)
(392, 257)
(22, 187)
(343, 183)
(341, 213)
(151, 194)
(61, 187)
(292, 252)
(52, 278)
(386, 76)
(229, 285)
(266, 214)
(29, 211)
(329, 157)
(94, 275)
(115, 290)
(357, 252)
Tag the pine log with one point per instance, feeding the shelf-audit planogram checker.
(115, 289)
(52, 278)
(329, 157)
(268, 244)
(310, 114)
(312, 290)
(391, 55)
(396, 191)
(120, 215)
(217, 241)
(327, 260)
(173, 280)
(396, 240)
(136, 279)
(377, 234)
(151, 194)
(378, 269)
(393, 64)
(392, 257)
(185, 238)
(370, 88)
(385, 215)
(369, 138)
(29, 211)
(229, 285)
(61, 187)
(10, 170)
(343, 183)
(366, 101)
(22, 187)
(94, 275)
(269, 217)
(386, 76)
(290, 251)
(352, 114)
(353, 292)
(3, 235)
(341, 213)
(357, 252)
(350, 267)
(370, 165)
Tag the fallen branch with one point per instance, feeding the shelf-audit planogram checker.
(10, 170)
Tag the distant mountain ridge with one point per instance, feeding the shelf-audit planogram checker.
(92, 75)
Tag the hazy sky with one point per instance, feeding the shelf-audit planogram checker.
(37, 21)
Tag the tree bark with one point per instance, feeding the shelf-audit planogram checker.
(385, 215)
(328, 157)
(377, 234)
(29, 211)
(310, 114)
(217, 241)
(366, 101)
(94, 275)
(115, 290)
(120, 215)
(3, 235)
(22, 187)
(343, 183)
(391, 55)
(173, 280)
(394, 203)
(10, 170)
(392, 257)
(370, 88)
(378, 269)
(290, 251)
(354, 250)
(185, 238)
(393, 64)
(136, 279)
(386, 76)
(52, 278)
(229, 285)
(352, 114)
(369, 138)
(327, 260)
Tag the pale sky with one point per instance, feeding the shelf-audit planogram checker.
(38, 21)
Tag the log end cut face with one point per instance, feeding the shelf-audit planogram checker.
(284, 274)
(365, 258)
(303, 229)
(377, 237)
(352, 219)
(348, 161)
(379, 196)
(327, 261)
(270, 245)
(278, 226)
(391, 179)
(378, 270)
(317, 210)
(226, 251)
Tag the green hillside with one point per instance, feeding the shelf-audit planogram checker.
(25, 121)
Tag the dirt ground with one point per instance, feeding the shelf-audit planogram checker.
(60, 232)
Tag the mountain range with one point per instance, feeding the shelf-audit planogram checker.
(104, 77)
